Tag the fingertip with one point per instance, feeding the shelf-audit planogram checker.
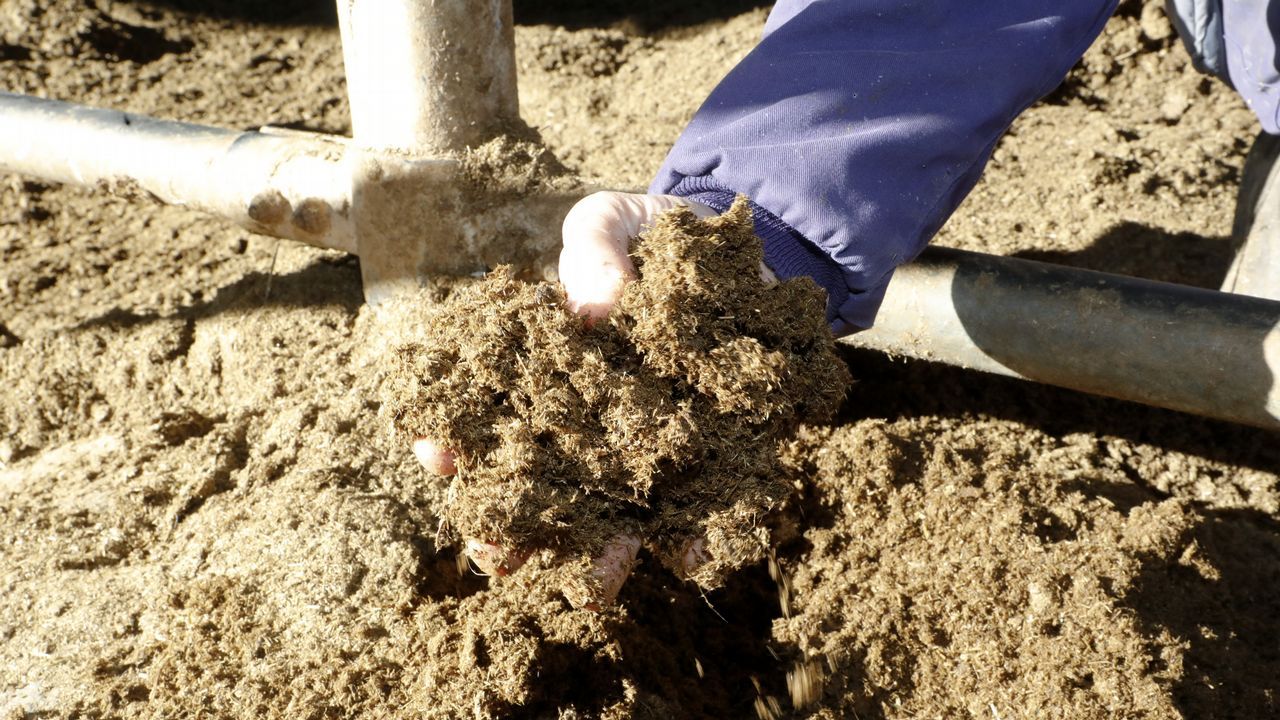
(593, 311)
(702, 211)
(609, 570)
(434, 458)
(768, 275)
(597, 231)
(593, 280)
(694, 556)
(493, 560)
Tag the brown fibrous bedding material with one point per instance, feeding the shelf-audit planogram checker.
(662, 421)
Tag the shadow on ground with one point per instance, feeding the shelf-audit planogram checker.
(701, 650)
(1216, 595)
(328, 281)
(1220, 599)
(1142, 251)
(635, 18)
(278, 12)
(897, 388)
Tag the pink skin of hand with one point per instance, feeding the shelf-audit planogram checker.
(594, 268)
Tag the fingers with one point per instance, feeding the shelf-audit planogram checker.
(492, 559)
(612, 568)
(594, 264)
(695, 560)
(598, 590)
(607, 573)
(489, 559)
(767, 275)
(434, 458)
(694, 556)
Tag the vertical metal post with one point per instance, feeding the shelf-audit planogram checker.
(426, 79)
(1256, 232)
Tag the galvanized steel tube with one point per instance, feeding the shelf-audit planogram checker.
(428, 77)
(290, 185)
(1172, 346)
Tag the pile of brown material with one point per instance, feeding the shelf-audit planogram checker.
(202, 516)
(661, 422)
(979, 567)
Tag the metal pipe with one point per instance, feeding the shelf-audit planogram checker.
(1256, 231)
(429, 77)
(290, 185)
(416, 217)
(1172, 346)
(1182, 348)
(426, 80)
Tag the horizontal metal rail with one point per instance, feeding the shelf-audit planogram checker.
(281, 183)
(1198, 351)
(1172, 346)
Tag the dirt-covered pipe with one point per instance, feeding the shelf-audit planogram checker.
(1198, 351)
(290, 185)
(428, 78)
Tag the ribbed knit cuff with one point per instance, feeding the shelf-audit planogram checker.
(786, 251)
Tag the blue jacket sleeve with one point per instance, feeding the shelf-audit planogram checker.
(858, 126)
(1236, 41)
(1249, 30)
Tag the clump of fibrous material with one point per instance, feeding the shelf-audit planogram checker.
(661, 421)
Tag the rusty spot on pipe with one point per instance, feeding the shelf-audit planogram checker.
(268, 208)
(313, 216)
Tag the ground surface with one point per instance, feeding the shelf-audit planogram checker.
(202, 509)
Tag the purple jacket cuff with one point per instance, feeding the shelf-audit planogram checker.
(789, 255)
(862, 125)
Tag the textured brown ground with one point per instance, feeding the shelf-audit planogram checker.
(202, 509)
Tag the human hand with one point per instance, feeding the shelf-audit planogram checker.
(594, 262)
(594, 268)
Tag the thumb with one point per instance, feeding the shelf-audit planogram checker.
(597, 232)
